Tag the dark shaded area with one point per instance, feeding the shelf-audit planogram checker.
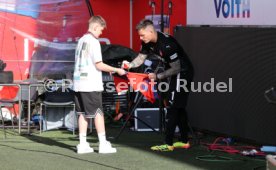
(247, 55)
(54, 63)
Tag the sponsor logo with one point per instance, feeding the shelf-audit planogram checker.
(232, 8)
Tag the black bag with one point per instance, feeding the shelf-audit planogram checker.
(60, 95)
(6, 77)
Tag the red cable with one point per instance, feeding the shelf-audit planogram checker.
(231, 149)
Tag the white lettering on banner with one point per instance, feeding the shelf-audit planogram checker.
(231, 12)
(232, 8)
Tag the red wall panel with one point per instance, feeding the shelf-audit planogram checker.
(116, 13)
(14, 29)
(117, 16)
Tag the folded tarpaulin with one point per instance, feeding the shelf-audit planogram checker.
(121, 84)
(138, 81)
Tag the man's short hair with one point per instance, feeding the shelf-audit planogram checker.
(143, 24)
(97, 19)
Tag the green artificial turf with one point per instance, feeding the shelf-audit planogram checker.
(55, 149)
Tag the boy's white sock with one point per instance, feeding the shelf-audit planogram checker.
(102, 137)
(82, 137)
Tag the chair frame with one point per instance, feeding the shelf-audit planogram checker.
(10, 104)
(46, 104)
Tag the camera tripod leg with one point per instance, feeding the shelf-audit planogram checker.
(132, 116)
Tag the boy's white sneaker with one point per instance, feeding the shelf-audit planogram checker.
(84, 148)
(105, 147)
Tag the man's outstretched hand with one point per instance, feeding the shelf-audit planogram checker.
(152, 76)
(125, 65)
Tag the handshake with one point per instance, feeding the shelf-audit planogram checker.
(126, 65)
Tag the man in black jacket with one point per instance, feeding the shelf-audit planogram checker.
(178, 69)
